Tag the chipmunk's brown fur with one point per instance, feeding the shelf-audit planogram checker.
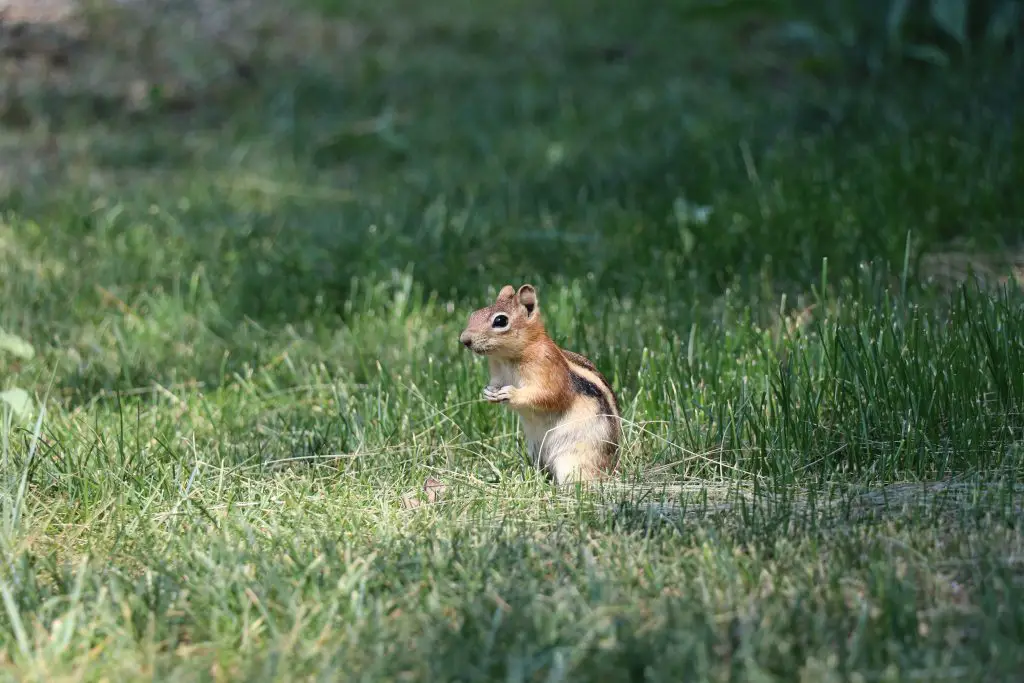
(569, 413)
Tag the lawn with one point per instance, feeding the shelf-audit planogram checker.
(231, 301)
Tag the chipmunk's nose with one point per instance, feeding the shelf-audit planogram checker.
(466, 339)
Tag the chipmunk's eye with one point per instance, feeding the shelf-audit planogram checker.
(500, 320)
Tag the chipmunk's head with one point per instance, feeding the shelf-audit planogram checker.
(506, 327)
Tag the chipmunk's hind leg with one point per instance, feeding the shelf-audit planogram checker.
(569, 469)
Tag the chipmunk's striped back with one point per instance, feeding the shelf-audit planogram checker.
(588, 380)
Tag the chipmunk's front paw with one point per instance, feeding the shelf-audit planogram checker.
(502, 395)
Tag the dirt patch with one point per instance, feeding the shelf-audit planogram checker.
(36, 11)
(949, 268)
(102, 57)
(72, 71)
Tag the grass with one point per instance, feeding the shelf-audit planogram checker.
(244, 320)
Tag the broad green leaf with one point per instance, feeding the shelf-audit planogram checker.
(927, 53)
(894, 21)
(726, 9)
(19, 401)
(951, 16)
(1003, 23)
(16, 346)
(803, 32)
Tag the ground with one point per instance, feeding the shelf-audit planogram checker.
(238, 243)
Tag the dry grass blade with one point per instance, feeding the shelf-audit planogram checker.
(433, 489)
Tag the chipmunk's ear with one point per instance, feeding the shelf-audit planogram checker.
(506, 293)
(527, 296)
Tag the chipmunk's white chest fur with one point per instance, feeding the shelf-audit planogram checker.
(565, 443)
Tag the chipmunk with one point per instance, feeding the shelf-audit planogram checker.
(569, 413)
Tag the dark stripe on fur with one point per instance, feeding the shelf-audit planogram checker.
(582, 385)
(584, 362)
